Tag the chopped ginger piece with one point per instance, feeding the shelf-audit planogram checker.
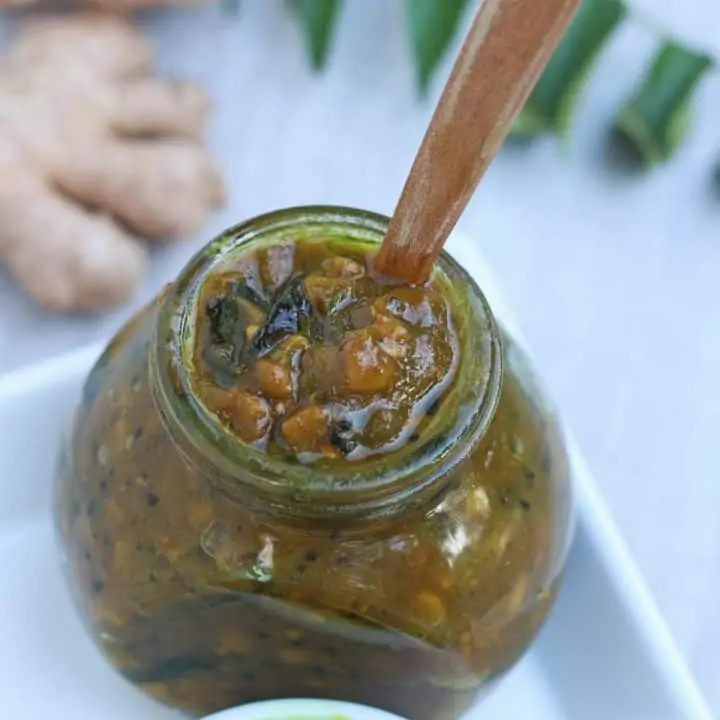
(367, 369)
(306, 429)
(394, 334)
(429, 608)
(248, 414)
(274, 379)
(343, 267)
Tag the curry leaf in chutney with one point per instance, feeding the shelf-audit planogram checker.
(289, 314)
(225, 315)
(229, 318)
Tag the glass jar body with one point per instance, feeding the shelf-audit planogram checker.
(207, 602)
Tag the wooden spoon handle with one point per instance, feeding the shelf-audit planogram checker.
(509, 44)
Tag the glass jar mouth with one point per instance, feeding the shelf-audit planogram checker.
(375, 486)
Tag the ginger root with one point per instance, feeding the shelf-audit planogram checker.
(93, 147)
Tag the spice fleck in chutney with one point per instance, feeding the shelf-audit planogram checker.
(289, 477)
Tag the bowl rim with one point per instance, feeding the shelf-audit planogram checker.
(303, 709)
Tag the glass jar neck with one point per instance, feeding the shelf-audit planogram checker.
(387, 485)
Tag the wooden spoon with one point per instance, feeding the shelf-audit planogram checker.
(506, 49)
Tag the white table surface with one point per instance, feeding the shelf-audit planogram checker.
(616, 281)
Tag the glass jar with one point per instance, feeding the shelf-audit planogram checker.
(211, 574)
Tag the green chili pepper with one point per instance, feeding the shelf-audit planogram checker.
(552, 103)
(656, 119)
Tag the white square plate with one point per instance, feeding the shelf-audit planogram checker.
(605, 654)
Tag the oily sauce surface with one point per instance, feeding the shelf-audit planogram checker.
(302, 351)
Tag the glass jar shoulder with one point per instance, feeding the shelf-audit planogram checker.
(537, 467)
(500, 536)
(517, 483)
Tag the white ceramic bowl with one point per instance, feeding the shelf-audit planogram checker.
(303, 709)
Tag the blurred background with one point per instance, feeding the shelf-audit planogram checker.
(614, 275)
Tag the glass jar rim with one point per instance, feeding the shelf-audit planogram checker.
(375, 486)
